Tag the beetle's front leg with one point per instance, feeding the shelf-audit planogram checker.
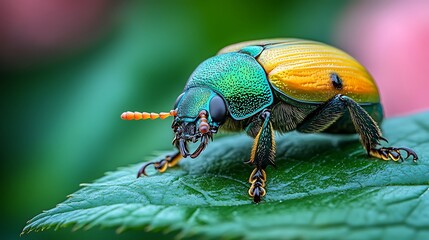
(262, 155)
(169, 161)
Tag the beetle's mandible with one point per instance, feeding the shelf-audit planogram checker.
(272, 85)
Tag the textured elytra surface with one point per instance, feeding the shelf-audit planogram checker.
(324, 186)
(302, 69)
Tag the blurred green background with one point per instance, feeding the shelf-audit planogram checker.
(62, 95)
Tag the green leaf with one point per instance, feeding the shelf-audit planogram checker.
(324, 186)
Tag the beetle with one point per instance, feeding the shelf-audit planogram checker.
(272, 85)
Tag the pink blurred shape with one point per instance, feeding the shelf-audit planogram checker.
(391, 38)
(31, 30)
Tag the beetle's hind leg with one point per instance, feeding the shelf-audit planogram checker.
(370, 134)
(393, 153)
(169, 161)
(262, 155)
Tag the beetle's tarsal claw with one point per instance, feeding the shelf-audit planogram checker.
(257, 192)
(142, 170)
(409, 152)
(161, 166)
(257, 179)
(393, 153)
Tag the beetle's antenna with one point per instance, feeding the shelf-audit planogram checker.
(145, 115)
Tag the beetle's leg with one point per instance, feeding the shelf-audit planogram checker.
(262, 155)
(393, 153)
(161, 166)
(370, 134)
(257, 178)
(323, 116)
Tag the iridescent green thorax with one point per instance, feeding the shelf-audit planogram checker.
(239, 79)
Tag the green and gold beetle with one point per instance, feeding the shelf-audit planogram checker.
(275, 85)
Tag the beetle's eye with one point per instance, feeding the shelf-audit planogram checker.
(178, 100)
(217, 109)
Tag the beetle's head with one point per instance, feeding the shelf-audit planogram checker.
(198, 113)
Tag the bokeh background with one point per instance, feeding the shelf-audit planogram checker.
(69, 68)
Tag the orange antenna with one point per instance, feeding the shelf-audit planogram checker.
(144, 115)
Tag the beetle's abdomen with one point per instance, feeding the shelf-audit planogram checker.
(314, 72)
